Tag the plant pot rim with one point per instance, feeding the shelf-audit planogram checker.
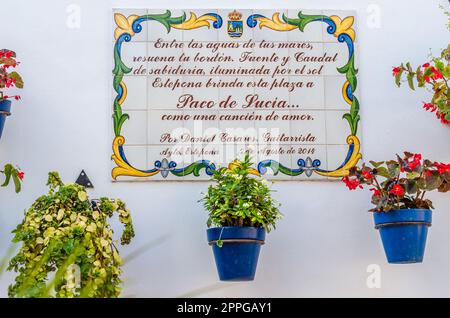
(403, 217)
(235, 227)
(401, 210)
(236, 234)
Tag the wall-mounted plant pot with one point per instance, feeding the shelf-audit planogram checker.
(404, 234)
(237, 259)
(5, 111)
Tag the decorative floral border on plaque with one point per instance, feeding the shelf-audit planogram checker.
(127, 27)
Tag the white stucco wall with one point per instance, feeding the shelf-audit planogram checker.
(326, 240)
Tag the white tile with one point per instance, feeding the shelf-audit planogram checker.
(236, 128)
(230, 152)
(162, 60)
(164, 92)
(203, 33)
(270, 57)
(333, 92)
(134, 55)
(200, 58)
(202, 126)
(327, 37)
(136, 93)
(165, 126)
(213, 152)
(308, 127)
(307, 92)
(136, 156)
(316, 152)
(247, 32)
(313, 32)
(172, 153)
(274, 89)
(337, 128)
(206, 96)
(238, 57)
(307, 60)
(239, 95)
(336, 156)
(267, 34)
(140, 36)
(279, 154)
(134, 129)
(273, 127)
(337, 56)
(157, 30)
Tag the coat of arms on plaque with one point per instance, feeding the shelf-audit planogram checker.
(235, 24)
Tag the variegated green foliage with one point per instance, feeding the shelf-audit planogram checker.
(63, 229)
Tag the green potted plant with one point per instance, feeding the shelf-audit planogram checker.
(240, 212)
(63, 231)
(402, 213)
(8, 80)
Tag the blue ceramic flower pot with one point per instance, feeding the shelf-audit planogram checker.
(237, 259)
(5, 111)
(404, 234)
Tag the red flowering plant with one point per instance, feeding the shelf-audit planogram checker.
(401, 183)
(433, 76)
(12, 173)
(9, 79)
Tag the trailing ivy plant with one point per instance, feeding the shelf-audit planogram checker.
(240, 197)
(62, 231)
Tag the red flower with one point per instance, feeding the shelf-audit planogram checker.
(441, 117)
(426, 65)
(396, 70)
(430, 107)
(397, 190)
(352, 184)
(427, 173)
(21, 174)
(376, 192)
(415, 162)
(436, 74)
(17, 97)
(427, 78)
(367, 175)
(442, 167)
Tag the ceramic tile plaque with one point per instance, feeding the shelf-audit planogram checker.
(195, 89)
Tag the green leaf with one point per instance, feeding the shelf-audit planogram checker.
(398, 78)
(17, 185)
(411, 187)
(393, 169)
(376, 164)
(410, 78)
(413, 175)
(382, 171)
(18, 78)
(433, 182)
(7, 170)
(303, 20)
